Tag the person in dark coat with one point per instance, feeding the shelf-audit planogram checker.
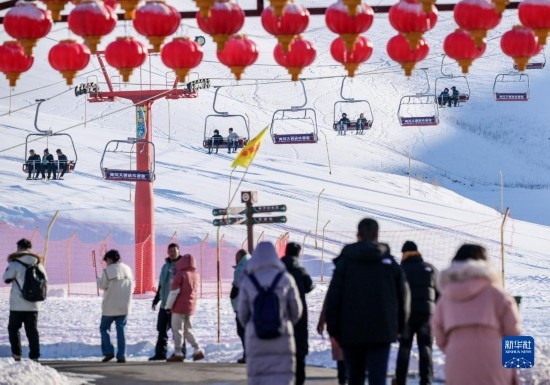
(444, 98)
(422, 279)
(61, 162)
(367, 305)
(215, 141)
(305, 285)
(453, 96)
(33, 165)
(343, 124)
(48, 165)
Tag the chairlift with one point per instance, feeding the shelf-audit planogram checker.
(238, 122)
(451, 79)
(52, 141)
(418, 110)
(536, 62)
(511, 87)
(295, 125)
(120, 153)
(352, 108)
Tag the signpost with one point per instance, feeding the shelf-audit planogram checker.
(248, 197)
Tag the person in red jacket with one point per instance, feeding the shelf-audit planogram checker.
(182, 302)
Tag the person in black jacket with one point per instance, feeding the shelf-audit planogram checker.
(305, 285)
(422, 279)
(48, 165)
(61, 163)
(33, 164)
(367, 305)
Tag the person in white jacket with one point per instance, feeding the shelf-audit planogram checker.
(22, 312)
(117, 282)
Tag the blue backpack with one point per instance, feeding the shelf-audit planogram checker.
(267, 311)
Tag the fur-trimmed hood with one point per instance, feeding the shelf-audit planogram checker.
(19, 254)
(464, 280)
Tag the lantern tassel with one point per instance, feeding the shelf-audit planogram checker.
(55, 7)
(12, 77)
(352, 6)
(351, 68)
(129, 7)
(29, 44)
(294, 72)
(278, 6)
(69, 76)
(125, 72)
(413, 38)
(465, 64)
(500, 5)
(182, 73)
(204, 7)
(542, 34)
(521, 62)
(427, 5)
(156, 42)
(349, 39)
(285, 41)
(408, 66)
(92, 42)
(237, 71)
(220, 40)
(479, 36)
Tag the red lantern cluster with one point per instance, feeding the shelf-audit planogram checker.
(348, 27)
(225, 19)
(301, 54)
(181, 54)
(361, 52)
(287, 27)
(535, 14)
(69, 57)
(400, 51)
(521, 44)
(476, 17)
(461, 47)
(13, 61)
(126, 54)
(91, 19)
(27, 23)
(156, 20)
(238, 53)
(408, 18)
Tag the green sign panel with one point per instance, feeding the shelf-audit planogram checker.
(269, 209)
(229, 221)
(280, 219)
(229, 211)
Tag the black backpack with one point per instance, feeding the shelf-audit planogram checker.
(35, 286)
(267, 312)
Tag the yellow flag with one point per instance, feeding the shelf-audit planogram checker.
(247, 154)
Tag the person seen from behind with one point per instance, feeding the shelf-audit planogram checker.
(305, 285)
(241, 258)
(22, 312)
(182, 303)
(269, 361)
(471, 317)
(422, 279)
(117, 283)
(164, 322)
(367, 305)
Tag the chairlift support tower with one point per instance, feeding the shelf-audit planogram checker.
(144, 207)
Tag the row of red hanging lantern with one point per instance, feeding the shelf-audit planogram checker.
(92, 19)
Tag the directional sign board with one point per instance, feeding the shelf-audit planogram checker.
(229, 211)
(269, 209)
(281, 219)
(229, 221)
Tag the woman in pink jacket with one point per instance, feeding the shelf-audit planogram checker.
(182, 302)
(470, 319)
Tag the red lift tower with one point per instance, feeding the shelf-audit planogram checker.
(144, 198)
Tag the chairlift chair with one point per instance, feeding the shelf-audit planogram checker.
(452, 79)
(536, 62)
(126, 151)
(418, 110)
(240, 123)
(300, 124)
(511, 87)
(53, 142)
(352, 107)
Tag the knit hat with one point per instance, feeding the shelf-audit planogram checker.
(409, 246)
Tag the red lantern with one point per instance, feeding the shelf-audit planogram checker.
(239, 52)
(125, 54)
(278, 6)
(92, 20)
(293, 22)
(226, 19)
(69, 57)
(461, 47)
(476, 17)
(156, 20)
(534, 14)
(27, 23)
(400, 51)
(348, 27)
(55, 7)
(362, 50)
(181, 54)
(521, 44)
(409, 19)
(301, 54)
(13, 61)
